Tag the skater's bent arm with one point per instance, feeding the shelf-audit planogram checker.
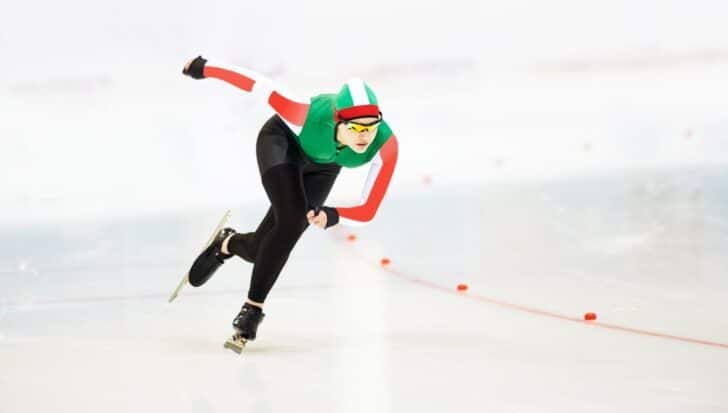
(380, 174)
(291, 108)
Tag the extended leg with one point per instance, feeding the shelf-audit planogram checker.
(284, 186)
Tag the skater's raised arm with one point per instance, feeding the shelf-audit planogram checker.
(375, 186)
(291, 108)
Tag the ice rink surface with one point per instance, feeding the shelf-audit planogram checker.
(86, 322)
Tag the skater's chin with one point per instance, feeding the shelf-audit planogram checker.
(360, 148)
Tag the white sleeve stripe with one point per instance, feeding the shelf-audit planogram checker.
(374, 169)
(352, 223)
(263, 85)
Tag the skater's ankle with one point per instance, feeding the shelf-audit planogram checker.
(253, 303)
(224, 247)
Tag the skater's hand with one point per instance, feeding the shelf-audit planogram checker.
(195, 67)
(318, 220)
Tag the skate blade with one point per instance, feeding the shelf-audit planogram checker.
(236, 344)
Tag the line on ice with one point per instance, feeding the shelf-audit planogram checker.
(163, 296)
(527, 309)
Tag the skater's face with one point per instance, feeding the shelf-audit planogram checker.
(358, 133)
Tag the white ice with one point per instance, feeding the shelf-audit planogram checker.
(558, 159)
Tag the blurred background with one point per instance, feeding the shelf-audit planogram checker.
(99, 119)
(564, 155)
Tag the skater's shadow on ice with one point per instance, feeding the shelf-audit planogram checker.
(294, 344)
(202, 346)
(290, 344)
(261, 348)
(271, 344)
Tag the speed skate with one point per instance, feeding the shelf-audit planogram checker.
(245, 326)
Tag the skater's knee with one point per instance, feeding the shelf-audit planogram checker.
(293, 217)
(286, 234)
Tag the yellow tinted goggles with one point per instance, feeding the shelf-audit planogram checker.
(360, 127)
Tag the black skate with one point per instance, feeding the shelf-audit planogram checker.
(245, 325)
(210, 259)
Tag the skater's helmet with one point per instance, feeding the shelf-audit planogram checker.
(356, 100)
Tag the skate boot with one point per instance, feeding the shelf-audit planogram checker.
(210, 259)
(246, 326)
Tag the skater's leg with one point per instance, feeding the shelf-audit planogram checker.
(246, 245)
(317, 183)
(284, 185)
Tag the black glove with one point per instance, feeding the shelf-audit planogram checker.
(195, 68)
(332, 216)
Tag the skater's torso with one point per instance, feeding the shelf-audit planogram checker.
(318, 136)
